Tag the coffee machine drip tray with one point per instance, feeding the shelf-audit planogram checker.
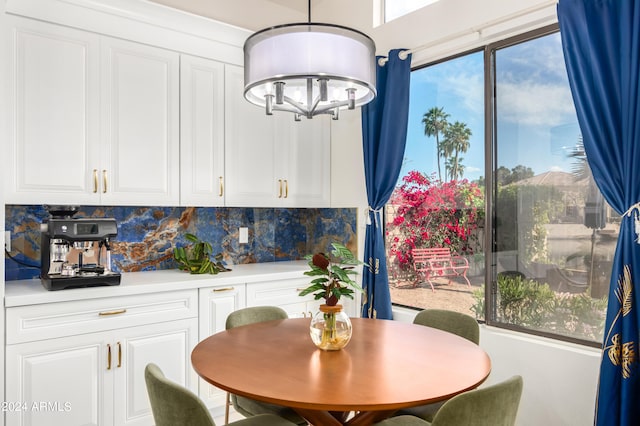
(58, 282)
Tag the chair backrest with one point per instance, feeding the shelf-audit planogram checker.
(255, 314)
(495, 405)
(173, 404)
(454, 322)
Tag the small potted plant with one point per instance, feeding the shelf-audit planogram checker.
(331, 327)
(197, 257)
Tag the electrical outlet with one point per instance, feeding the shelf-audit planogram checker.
(7, 240)
(243, 235)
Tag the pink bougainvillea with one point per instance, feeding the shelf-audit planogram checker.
(429, 213)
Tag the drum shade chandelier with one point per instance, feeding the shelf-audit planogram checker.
(309, 69)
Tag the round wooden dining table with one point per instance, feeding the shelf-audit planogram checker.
(387, 365)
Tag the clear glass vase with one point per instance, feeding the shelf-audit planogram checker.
(330, 328)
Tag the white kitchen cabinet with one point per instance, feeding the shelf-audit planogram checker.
(216, 303)
(273, 161)
(53, 113)
(169, 346)
(284, 294)
(303, 161)
(201, 132)
(250, 144)
(140, 124)
(96, 377)
(92, 120)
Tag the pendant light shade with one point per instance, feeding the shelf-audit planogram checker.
(309, 69)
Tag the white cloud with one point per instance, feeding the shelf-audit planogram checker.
(556, 169)
(535, 104)
(459, 79)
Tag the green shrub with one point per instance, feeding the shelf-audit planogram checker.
(527, 303)
(524, 302)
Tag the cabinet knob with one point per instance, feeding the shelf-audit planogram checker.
(279, 188)
(221, 182)
(119, 354)
(286, 188)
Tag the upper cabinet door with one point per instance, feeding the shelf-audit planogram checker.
(304, 159)
(201, 132)
(250, 148)
(53, 114)
(140, 124)
(273, 161)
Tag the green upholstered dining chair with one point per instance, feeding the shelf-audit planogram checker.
(495, 405)
(453, 322)
(175, 405)
(246, 406)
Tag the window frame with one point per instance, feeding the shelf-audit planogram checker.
(490, 149)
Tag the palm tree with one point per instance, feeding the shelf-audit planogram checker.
(580, 168)
(448, 148)
(456, 140)
(435, 122)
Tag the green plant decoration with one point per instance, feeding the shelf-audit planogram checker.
(334, 275)
(196, 258)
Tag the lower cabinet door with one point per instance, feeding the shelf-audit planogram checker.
(216, 303)
(169, 346)
(59, 382)
(96, 379)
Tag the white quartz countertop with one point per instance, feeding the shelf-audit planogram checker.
(31, 292)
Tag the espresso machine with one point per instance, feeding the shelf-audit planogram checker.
(75, 252)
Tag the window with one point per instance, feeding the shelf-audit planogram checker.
(547, 266)
(396, 8)
(439, 199)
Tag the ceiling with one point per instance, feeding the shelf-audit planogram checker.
(250, 14)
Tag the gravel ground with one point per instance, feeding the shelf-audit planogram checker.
(453, 295)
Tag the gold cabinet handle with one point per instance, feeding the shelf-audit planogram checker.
(279, 188)
(286, 188)
(221, 186)
(108, 357)
(107, 313)
(119, 354)
(95, 181)
(104, 181)
(219, 290)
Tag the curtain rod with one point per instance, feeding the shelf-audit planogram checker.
(476, 29)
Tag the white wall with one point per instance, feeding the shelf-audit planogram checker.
(560, 379)
(461, 22)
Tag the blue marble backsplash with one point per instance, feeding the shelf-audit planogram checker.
(147, 235)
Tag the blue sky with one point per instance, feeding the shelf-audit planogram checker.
(537, 125)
